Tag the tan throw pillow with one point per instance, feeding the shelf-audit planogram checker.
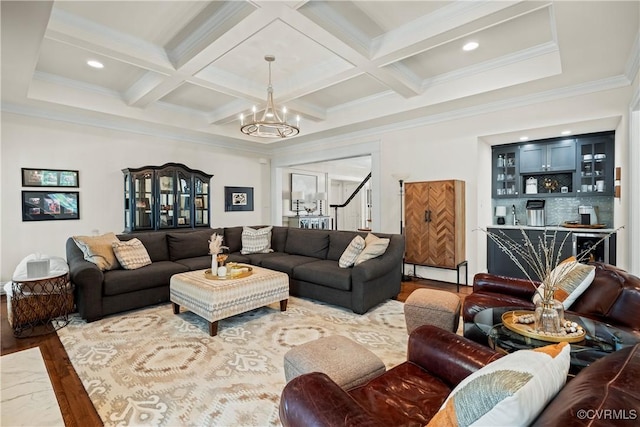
(131, 254)
(374, 247)
(510, 391)
(349, 256)
(572, 278)
(98, 250)
(256, 241)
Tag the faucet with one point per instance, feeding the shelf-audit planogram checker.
(513, 213)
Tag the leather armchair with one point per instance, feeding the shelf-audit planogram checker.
(613, 297)
(408, 394)
(437, 360)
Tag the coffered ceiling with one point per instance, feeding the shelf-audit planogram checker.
(195, 66)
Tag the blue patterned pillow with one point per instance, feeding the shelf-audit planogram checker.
(510, 391)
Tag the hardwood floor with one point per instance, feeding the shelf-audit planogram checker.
(75, 405)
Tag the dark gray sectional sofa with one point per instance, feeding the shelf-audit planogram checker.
(309, 257)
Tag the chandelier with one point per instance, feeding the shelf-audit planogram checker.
(270, 125)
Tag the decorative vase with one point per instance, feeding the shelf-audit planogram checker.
(214, 264)
(549, 316)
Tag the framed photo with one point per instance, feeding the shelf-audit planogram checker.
(50, 205)
(49, 178)
(199, 202)
(238, 199)
(305, 184)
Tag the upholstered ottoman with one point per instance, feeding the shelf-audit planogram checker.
(346, 362)
(432, 307)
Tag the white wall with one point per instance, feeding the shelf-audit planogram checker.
(99, 155)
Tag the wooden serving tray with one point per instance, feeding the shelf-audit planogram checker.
(525, 330)
(569, 225)
(208, 275)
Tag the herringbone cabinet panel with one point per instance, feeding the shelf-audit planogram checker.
(434, 218)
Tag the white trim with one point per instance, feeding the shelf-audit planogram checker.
(633, 214)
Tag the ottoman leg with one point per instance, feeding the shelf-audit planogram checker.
(283, 305)
(176, 308)
(213, 328)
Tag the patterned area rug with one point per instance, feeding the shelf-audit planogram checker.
(153, 368)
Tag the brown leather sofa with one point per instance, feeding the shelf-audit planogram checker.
(613, 297)
(411, 393)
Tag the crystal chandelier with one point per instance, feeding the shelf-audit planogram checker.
(270, 125)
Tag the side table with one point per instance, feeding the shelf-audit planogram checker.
(33, 303)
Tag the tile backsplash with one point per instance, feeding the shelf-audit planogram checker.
(558, 209)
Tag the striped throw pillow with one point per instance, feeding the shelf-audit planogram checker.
(256, 241)
(349, 256)
(131, 254)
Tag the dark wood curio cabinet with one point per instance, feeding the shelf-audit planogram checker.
(163, 197)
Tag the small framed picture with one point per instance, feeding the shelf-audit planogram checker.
(199, 202)
(49, 178)
(50, 205)
(238, 199)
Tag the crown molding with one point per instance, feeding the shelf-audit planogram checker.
(114, 124)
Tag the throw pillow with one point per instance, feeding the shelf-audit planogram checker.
(256, 241)
(374, 247)
(572, 278)
(512, 390)
(131, 254)
(349, 256)
(98, 250)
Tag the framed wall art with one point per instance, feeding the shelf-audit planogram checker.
(238, 199)
(49, 178)
(50, 205)
(305, 184)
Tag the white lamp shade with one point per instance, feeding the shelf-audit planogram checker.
(297, 195)
(321, 196)
(501, 211)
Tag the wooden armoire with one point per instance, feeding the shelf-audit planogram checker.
(435, 223)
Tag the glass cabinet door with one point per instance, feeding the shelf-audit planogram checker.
(143, 198)
(167, 198)
(184, 200)
(201, 200)
(595, 158)
(505, 173)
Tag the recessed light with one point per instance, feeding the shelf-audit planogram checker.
(470, 46)
(524, 138)
(565, 132)
(95, 64)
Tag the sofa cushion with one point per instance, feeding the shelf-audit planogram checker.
(279, 238)
(99, 250)
(256, 241)
(324, 272)
(338, 242)
(233, 239)
(189, 244)
(196, 263)
(349, 256)
(286, 263)
(310, 243)
(374, 247)
(131, 254)
(154, 242)
(156, 274)
(512, 390)
(257, 259)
